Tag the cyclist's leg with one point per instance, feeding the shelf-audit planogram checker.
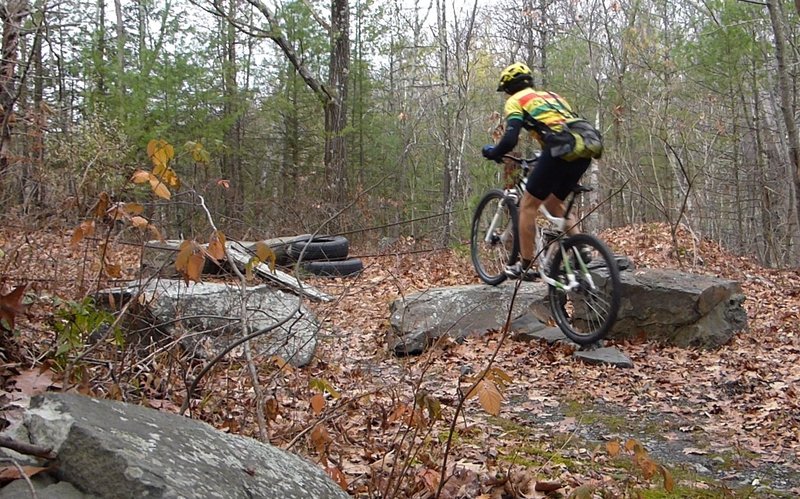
(570, 173)
(527, 226)
(542, 181)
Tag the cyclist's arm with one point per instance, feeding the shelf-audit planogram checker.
(509, 140)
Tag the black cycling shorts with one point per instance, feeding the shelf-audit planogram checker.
(555, 176)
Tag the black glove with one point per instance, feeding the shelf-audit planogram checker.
(488, 152)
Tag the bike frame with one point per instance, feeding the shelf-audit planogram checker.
(543, 254)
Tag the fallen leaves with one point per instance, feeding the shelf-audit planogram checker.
(744, 392)
(11, 306)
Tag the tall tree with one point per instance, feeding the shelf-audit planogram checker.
(788, 101)
(336, 108)
(12, 13)
(333, 95)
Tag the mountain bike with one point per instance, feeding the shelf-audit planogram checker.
(581, 273)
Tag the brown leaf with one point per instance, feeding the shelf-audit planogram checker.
(216, 245)
(194, 268)
(613, 448)
(141, 176)
(11, 306)
(33, 381)
(159, 189)
(488, 395)
(185, 250)
(317, 403)
(139, 222)
(10, 473)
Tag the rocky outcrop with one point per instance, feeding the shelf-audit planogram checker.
(418, 320)
(664, 306)
(109, 449)
(679, 308)
(205, 317)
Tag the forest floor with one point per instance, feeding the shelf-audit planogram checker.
(680, 423)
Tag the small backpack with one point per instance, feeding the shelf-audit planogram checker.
(576, 139)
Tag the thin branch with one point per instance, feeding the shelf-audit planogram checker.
(27, 449)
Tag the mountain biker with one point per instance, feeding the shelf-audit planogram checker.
(552, 179)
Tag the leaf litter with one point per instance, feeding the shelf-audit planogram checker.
(740, 400)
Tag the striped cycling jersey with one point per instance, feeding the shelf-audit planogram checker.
(546, 107)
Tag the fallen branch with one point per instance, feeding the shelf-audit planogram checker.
(26, 448)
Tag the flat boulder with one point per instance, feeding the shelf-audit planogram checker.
(664, 306)
(110, 449)
(205, 317)
(419, 319)
(673, 308)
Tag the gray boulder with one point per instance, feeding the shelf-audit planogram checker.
(205, 316)
(674, 308)
(110, 449)
(680, 308)
(458, 311)
(664, 306)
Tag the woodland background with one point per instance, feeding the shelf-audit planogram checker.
(366, 118)
(370, 114)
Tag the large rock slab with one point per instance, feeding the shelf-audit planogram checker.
(675, 308)
(419, 319)
(109, 449)
(680, 308)
(205, 317)
(664, 306)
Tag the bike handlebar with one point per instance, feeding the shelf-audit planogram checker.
(521, 160)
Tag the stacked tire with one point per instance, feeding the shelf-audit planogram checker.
(324, 256)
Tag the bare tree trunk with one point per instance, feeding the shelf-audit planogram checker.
(120, 85)
(11, 14)
(231, 159)
(787, 103)
(447, 146)
(32, 187)
(336, 108)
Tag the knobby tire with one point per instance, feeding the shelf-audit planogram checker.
(490, 259)
(583, 315)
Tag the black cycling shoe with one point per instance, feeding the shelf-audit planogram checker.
(517, 272)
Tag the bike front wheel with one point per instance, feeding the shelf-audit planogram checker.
(586, 313)
(493, 239)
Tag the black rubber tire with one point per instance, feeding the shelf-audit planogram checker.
(490, 258)
(586, 316)
(319, 248)
(340, 268)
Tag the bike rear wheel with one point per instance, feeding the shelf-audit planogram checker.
(493, 248)
(587, 313)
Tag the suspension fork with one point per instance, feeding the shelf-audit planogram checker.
(487, 238)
